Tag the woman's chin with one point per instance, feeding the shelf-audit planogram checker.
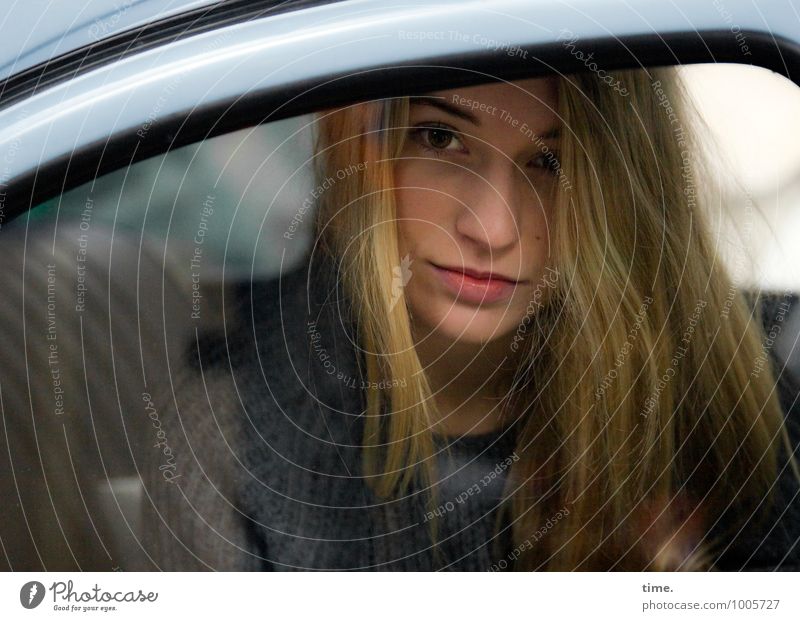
(468, 327)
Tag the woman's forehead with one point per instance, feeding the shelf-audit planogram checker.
(530, 102)
(524, 90)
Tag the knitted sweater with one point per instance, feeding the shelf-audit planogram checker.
(264, 473)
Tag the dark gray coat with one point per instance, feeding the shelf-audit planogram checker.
(265, 430)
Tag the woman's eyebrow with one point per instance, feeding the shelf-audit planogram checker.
(442, 104)
(555, 132)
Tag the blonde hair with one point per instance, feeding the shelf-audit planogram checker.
(634, 434)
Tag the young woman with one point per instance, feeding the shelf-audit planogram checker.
(513, 347)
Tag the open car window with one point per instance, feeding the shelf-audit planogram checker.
(109, 286)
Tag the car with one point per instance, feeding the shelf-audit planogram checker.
(156, 162)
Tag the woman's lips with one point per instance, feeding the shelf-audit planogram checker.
(475, 290)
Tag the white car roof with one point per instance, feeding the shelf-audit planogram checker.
(33, 31)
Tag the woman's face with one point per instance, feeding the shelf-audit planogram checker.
(475, 183)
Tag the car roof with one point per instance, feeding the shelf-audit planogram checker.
(34, 31)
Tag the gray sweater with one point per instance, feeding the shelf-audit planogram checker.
(263, 469)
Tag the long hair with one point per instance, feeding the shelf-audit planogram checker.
(640, 416)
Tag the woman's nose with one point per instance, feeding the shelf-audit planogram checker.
(489, 207)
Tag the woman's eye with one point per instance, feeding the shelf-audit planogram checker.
(548, 161)
(436, 138)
